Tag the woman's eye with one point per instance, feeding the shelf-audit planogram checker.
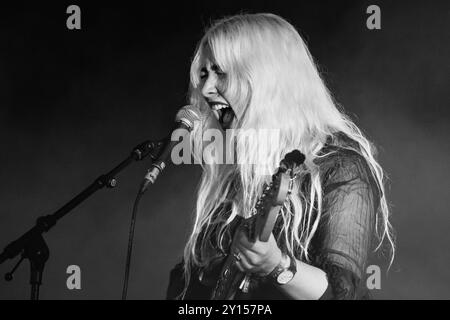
(203, 75)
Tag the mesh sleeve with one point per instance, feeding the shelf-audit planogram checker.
(346, 228)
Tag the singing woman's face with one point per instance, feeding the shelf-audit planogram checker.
(213, 83)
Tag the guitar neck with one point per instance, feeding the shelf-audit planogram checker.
(258, 227)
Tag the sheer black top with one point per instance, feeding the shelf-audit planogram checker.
(343, 241)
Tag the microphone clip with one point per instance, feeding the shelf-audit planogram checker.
(152, 174)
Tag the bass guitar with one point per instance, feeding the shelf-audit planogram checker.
(259, 225)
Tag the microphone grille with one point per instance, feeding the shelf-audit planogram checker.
(188, 115)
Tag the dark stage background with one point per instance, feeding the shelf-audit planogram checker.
(74, 103)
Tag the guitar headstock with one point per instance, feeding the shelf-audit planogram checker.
(274, 194)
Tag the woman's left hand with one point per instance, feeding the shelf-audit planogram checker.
(256, 257)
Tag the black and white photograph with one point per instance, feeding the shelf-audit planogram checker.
(225, 150)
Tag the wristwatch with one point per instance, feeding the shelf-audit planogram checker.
(284, 271)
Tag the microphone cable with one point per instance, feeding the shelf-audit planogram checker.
(130, 245)
(185, 119)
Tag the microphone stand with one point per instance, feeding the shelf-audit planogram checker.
(31, 245)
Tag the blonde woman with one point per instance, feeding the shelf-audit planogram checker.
(254, 71)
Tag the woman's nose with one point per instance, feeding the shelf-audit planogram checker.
(209, 89)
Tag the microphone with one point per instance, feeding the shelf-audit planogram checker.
(184, 119)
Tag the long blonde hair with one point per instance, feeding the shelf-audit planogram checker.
(272, 83)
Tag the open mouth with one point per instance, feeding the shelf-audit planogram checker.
(224, 114)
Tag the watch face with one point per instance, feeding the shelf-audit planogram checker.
(285, 277)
